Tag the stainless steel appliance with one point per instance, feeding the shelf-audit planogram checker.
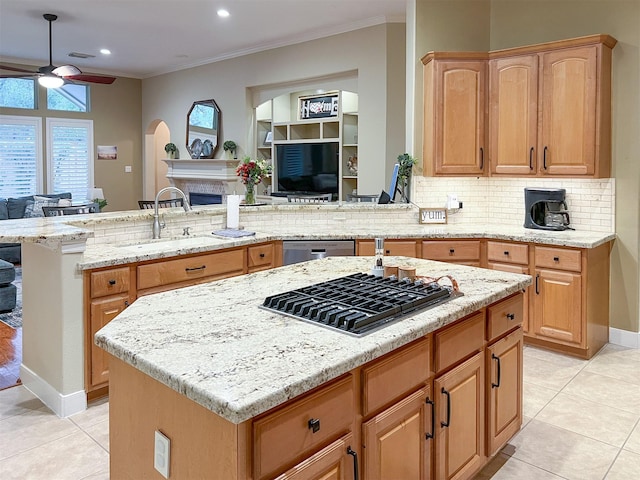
(546, 209)
(296, 251)
(359, 303)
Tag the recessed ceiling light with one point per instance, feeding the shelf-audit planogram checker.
(223, 13)
(105, 51)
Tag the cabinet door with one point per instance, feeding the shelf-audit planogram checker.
(460, 428)
(513, 114)
(558, 306)
(568, 95)
(397, 442)
(333, 462)
(504, 390)
(460, 117)
(102, 312)
(404, 248)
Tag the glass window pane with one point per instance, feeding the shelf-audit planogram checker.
(69, 97)
(20, 156)
(18, 93)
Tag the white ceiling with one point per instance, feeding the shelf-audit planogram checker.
(149, 37)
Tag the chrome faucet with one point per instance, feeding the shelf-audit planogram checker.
(156, 217)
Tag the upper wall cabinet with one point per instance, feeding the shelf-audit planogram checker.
(549, 111)
(455, 92)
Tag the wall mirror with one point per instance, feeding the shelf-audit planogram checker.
(203, 126)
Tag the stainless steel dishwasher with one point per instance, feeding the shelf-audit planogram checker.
(295, 251)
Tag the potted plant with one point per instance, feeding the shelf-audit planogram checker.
(405, 164)
(171, 149)
(230, 146)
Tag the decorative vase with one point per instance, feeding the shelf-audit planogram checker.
(250, 194)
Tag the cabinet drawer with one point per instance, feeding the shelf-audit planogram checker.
(456, 342)
(260, 256)
(558, 258)
(395, 375)
(505, 316)
(287, 435)
(109, 282)
(507, 252)
(192, 268)
(451, 251)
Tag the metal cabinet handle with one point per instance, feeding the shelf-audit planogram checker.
(494, 357)
(112, 282)
(355, 462)
(531, 159)
(448, 422)
(481, 158)
(506, 253)
(195, 268)
(388, 252)
(452, 251)
(544, 158)
(556, 259)
(126, 303)
(433, 419)
(511, 316)
(262, 255)
(314, 424)
(537, 287)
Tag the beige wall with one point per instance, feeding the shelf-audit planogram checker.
(512, 23)
(235, 84)
(115, 111)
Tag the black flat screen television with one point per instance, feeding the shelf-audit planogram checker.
(307, 168)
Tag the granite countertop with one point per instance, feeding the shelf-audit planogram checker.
(97, 256)
(213, 344)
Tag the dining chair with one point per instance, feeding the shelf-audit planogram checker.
(169, 203)
(352, 197)
(74, 210)
(323, 198)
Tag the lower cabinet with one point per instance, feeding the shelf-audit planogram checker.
(504, 390)
(460, 421)
(397, 442)
(393, 247)
(334, 462)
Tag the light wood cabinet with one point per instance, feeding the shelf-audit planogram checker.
(393, 247)
(460, 420)
(504, 390)
(397, 441)
(455, 114)
(513, 115)
(466, 252)
(334, 462)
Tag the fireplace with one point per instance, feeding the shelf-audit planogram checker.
(214, 178)
(197, 198)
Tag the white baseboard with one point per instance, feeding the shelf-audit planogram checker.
(624, 338)
(62, 405)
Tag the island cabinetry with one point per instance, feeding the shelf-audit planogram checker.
(109, 294)
(291, 434)
(455, 113)
(513, 258)
(466, 252)
(264, 256)
(190, 270)
(404, 248)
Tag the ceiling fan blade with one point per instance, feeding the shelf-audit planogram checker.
(17, 76)
(66, 71)
(15, 69)
(92, 78)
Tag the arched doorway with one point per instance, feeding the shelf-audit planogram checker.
(155, 170)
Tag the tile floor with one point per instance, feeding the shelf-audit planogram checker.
(582, 422)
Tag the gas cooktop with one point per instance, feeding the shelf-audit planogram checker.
(359, 303)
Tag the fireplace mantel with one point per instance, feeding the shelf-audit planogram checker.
(215, 175)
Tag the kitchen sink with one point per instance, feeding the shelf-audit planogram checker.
(172, 243)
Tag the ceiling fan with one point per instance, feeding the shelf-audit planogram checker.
(51, 76)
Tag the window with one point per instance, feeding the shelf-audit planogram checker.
(70, 156)
(20, 156)
(69, 98)
(18, 93)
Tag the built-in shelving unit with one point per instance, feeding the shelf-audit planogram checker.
(280, 116)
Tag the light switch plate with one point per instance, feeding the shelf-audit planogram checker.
(161, 454)
(127, 169)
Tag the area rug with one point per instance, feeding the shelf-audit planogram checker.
(14, 317)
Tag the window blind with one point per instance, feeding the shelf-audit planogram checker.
(20, 156)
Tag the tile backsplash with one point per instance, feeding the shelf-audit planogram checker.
(591, 202)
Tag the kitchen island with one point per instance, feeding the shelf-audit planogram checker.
(225, 379)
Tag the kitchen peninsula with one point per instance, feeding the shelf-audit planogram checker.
(62, 255)
(239, 390)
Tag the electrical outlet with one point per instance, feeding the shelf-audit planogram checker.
(452, 201)
(161, 454)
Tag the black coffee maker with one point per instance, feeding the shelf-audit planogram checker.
(546, 209)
